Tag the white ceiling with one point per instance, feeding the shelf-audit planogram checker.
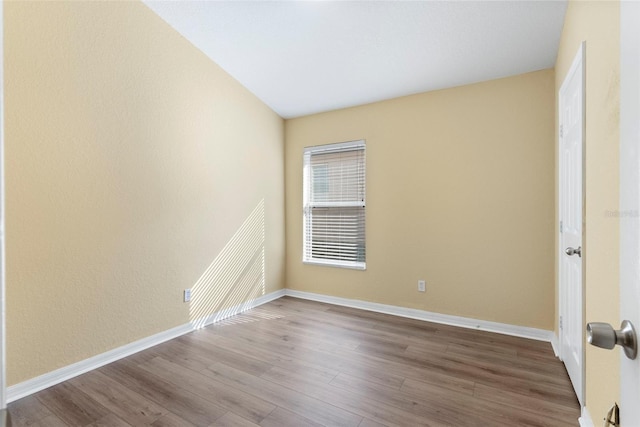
(307, 57)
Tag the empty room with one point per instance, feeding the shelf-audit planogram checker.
(319, 213)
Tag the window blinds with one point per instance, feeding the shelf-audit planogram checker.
(334, 204)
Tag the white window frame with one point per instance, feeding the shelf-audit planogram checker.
(308, 206)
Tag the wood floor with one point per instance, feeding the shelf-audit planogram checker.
(300, 363)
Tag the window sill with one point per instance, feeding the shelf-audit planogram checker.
(338, 264)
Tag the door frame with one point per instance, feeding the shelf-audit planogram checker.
(629, 198)
(580, 58)
(3, 384)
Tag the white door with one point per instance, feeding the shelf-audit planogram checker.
(571, 111)
(630, 203)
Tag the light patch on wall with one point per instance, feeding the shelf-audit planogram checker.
(235, 276)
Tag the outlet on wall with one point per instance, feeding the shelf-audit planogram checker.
(187, 295)
(422, 286)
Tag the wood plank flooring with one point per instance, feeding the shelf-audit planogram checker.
(299, 363)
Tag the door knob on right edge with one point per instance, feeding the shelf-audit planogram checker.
(604, 336)
(571, 251)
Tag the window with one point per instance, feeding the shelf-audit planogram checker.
(334, 205)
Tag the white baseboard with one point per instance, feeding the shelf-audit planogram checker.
(585, 418)
(49, 379)
(555, 343)
(446, 319)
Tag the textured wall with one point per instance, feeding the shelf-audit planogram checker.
(460, 192)
(135, 165)
(598, 23)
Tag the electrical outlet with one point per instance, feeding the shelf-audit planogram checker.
(422, 286)
(187, 295)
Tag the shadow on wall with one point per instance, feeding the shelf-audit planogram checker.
(235, 277)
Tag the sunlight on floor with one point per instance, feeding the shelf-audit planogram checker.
(253, 315)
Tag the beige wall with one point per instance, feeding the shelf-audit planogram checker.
(460, 192)
(598, 23)
(132, 162)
